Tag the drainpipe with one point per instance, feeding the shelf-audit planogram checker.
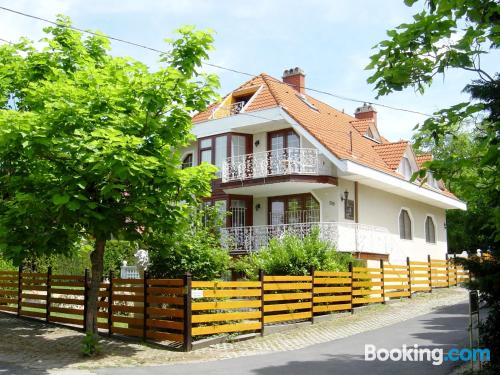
(356, 213)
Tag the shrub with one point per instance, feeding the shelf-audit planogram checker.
(194, 247)
(90, 345)
(292, 255)
(78, 258)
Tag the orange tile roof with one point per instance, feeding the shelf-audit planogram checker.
(392, 153)
(335, 130)
(422, 158)
(362, 125)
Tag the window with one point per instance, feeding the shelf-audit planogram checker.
(220, 151)
(187, 161)
(369, 133)
(307, 102)
(405, 168)
(238, 145)
(405, 225)
(430, 230)
(216, 149)
(206, 150)
(290, 209)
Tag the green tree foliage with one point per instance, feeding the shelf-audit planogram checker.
(88, 143)
(454, 34)
(292, 255)
(194, 247)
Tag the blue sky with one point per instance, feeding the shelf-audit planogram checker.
(330, 40)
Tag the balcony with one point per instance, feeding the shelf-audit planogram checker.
(348, 237)
(281, 162)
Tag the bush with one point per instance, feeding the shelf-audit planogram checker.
(292, 255)
(194, 247)
(75, 262)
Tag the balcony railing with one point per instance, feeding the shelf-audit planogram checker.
(349, 237)
(285, 161)
(294, 216)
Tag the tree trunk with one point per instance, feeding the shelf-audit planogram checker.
(97, 261)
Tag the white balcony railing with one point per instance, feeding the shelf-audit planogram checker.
(349, 237)
(285, 161)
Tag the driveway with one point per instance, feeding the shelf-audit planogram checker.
(443, 328)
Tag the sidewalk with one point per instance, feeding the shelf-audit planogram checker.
(38, 346)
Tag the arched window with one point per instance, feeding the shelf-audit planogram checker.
(187, 161)
(405, 225)
(430, 230)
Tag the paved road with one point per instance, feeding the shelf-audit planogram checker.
(441, 329)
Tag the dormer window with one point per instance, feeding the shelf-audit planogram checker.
(234, 103)
(431, 181)
(369, 133)
(405, 168)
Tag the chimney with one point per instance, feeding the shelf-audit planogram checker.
(296, 78)
(366, 112)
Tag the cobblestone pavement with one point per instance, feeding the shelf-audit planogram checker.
(47, 349)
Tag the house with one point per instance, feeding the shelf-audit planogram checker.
(289, 163)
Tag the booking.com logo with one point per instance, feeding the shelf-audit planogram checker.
(414, 353)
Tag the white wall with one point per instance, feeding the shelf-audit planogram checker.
(328, 202)
(262, 138)
(377, 207)
(260, 216)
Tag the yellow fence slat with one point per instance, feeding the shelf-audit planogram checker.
(226, 284)
(332, 281)
(321, 299)
(286, 278)
(210, 293)
(225, 328)
(205, 318)
(287, 317)
(331, 274)
(287, 306)
(287, 296)
(287, 286)
(219, 305)
(327, 308)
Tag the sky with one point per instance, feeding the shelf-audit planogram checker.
(331, 40)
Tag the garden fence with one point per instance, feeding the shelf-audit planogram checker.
(178, 311)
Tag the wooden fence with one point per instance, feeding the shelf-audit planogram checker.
(178, 311)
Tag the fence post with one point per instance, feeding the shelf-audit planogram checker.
(145, 311)
(455, 269)
(188, 339)
(85, 297)
(382, 280)
(408, 265)
(261, 279)
(447, 270)
(351, 270)
(313, 270)
(110, 303)
(19, 289)
(430, 272)
(47, 303)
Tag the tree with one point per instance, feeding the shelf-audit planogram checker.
(454, 34)
(450, 34)
(88, 143)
